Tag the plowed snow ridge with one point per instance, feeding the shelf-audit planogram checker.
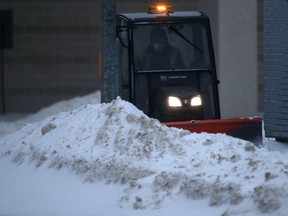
(117, 143)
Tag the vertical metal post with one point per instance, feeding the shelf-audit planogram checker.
(109, 79)
(2, 67)
(6, 42)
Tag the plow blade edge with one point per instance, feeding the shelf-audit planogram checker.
(244, 128)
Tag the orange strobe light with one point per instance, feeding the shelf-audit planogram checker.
(160, 9)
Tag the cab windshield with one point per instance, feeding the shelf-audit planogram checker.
(171, 47)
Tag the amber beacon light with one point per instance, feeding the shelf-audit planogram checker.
(160, 9)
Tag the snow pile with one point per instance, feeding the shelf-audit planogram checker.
(10, 125)
(117, 143)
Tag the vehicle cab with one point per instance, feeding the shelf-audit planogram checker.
(167, 65)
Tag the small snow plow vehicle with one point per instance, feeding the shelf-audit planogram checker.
(167, 66)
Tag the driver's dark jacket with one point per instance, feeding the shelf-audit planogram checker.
(166, 59)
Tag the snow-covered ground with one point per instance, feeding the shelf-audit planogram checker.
(80, 157)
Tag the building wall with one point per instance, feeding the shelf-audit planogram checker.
(54, 54)
(260, 58)
(56, 47)
(235, 30)
(238, 57)
(276, 70)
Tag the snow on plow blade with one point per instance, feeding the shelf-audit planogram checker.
(244, 128)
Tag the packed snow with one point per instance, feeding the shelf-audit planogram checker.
(81, 157)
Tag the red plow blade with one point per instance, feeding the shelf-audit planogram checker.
(244, 128)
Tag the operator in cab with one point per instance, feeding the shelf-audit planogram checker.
(159, 55)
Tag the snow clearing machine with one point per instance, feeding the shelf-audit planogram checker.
(167, 66)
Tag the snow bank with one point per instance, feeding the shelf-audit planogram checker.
(118, 144)
(10, 124)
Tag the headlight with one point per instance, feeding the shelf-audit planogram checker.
(196, 101)
(174, 102)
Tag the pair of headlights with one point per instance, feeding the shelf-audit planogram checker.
(176, 101)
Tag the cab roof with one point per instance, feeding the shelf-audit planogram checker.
(154, 17)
